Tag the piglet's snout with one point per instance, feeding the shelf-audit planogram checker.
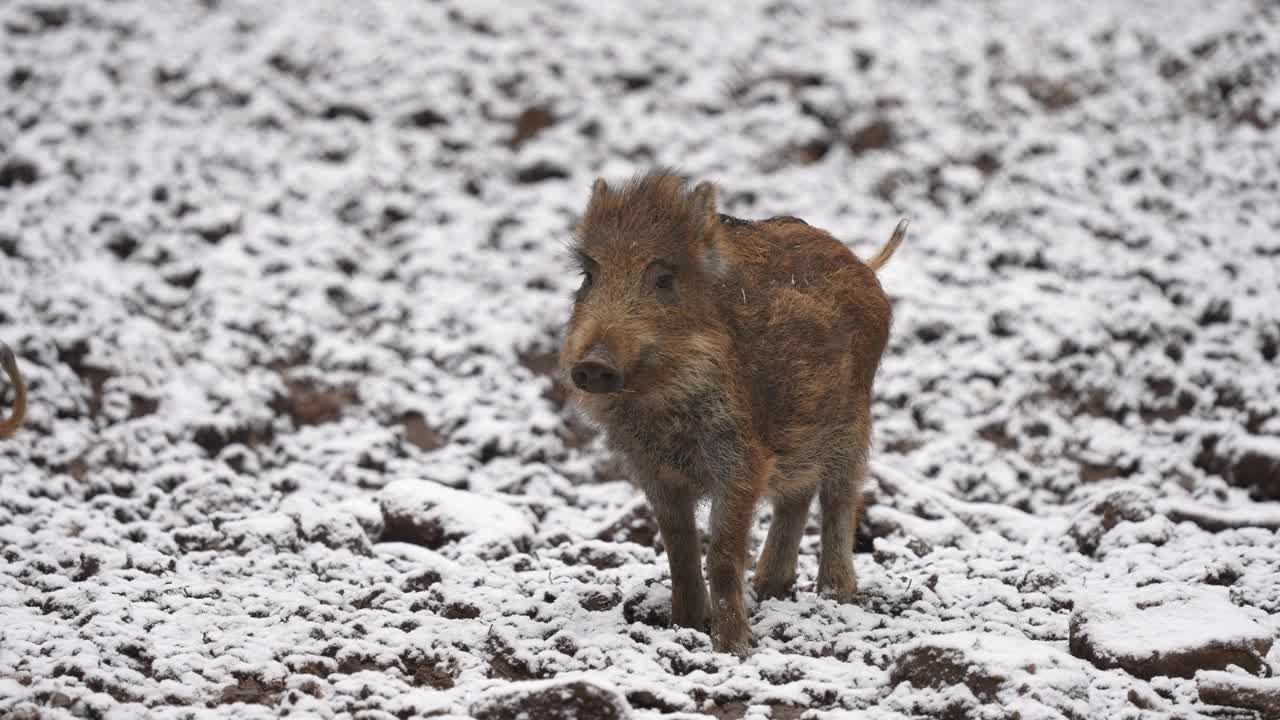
(597, 372)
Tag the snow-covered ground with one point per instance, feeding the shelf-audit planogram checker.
(287, 279)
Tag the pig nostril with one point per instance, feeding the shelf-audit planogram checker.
(596, 377)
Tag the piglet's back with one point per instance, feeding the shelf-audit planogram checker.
(788, 279)
(808, 318)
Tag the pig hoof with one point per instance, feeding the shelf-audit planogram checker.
(741, 648)
(844, 597)
(779, 590)
(841, 592)
(732, 638)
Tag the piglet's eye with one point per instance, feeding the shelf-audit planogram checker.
(662, 281)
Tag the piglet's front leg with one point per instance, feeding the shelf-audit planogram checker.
(732, 508)
(674, 512)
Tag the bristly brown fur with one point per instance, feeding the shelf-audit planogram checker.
(745, 354)
(657, 206)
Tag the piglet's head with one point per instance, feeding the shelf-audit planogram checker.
(647, 255)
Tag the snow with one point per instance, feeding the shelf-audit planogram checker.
(287, 292)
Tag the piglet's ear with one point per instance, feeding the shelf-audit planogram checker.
(598, 188)
(702, 206)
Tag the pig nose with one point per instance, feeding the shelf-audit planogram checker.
(597, 374)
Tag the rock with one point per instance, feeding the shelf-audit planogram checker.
(1094, 522)
(1255, 464)
(334, 529)
(18, 171)
(438, 517)
(990, 664)
(1053, 95)
(1249, 461)
(251, 689)
(1168, 629)
(600, 600)
(367, 512)
(420, 434)
(649, 604)
(276, 531)
(1216, 518)
(424, 118)
(635, 523)
(1243, 691)
(659, 699)
(531, 122)
(599, 555)
(540, 171)
(149, 560)
(1216, 311)
(310, 403)
(877, 135)
(1155, 530)
(552, 700)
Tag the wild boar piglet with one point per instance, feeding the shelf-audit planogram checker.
(731, 360)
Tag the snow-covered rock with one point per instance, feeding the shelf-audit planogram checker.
(1254, 462)
(993, 667)
(1168, 629)
(335, 529)
(455, 521)
(1235, 689)
(1129, 505)
(553, 700)
(634, 523)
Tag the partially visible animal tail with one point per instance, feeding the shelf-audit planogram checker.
(879, 259)
(10, 364)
